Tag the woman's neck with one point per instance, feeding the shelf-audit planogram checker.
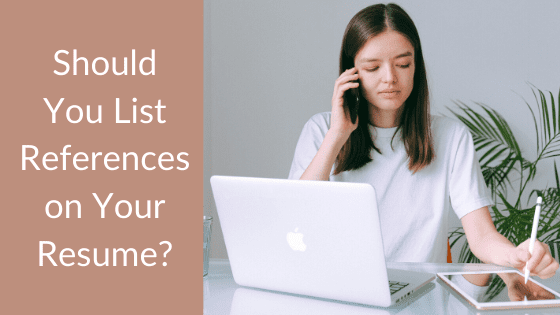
(384, 118)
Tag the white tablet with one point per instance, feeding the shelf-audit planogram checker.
(488, 290)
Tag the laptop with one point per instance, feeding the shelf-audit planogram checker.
(315, 238)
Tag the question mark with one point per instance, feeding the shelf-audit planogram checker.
(167, 251)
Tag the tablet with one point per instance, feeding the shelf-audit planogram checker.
(487, 290)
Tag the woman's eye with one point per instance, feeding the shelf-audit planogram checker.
(372, 69)
(405, 66)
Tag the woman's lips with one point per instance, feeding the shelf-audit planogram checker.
(389, 94)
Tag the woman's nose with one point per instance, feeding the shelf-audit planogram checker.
(389, 76)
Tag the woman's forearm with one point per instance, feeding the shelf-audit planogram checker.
(321, 165)
(485, 242)
(492, 248)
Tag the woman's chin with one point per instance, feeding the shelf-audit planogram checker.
(387, 105)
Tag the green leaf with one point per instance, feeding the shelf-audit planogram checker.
(495, 156)
(540, 119)
(503, 127)
(535, 124)
(505, 201)
(555, 128)
(545, 114)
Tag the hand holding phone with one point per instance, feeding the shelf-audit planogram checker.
(344, 120)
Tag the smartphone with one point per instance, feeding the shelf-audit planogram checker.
(354, 102)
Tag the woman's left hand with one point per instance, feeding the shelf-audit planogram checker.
(540, 263)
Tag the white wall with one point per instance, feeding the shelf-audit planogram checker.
(270, 65)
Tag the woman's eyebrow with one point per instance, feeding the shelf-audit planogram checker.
(406, 54)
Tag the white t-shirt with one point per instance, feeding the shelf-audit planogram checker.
(413, 209)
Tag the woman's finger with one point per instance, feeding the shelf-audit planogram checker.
(346, 86)
(543, 264)
(549, 271)
(546, 260)
(520, 257)
(538, 260)
(344, 79)
(348, 72)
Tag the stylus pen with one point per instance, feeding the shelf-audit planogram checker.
(536, 219)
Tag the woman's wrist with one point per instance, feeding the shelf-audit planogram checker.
(337, 137)
(320, 166)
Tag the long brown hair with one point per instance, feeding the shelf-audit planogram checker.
(415, 114)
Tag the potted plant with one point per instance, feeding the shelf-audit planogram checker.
(504, 168)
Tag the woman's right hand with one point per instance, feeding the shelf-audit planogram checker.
(339, 131)
(341, 123)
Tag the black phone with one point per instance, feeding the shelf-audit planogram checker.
(354, 102)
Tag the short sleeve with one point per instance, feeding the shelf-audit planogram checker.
(468, 191)
(308, 144)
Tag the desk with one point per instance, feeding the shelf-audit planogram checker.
(219, 290)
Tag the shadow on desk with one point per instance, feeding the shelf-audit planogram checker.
(256, 301)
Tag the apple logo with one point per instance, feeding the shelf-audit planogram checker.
(295, 240)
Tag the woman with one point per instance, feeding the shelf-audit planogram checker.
(421, 166)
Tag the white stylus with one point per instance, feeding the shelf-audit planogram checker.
(536, 219)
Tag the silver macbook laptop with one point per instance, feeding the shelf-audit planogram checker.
(313, 238)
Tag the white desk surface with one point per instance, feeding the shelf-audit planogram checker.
(219, 289)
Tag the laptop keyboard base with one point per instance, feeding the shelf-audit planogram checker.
(395, 286)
